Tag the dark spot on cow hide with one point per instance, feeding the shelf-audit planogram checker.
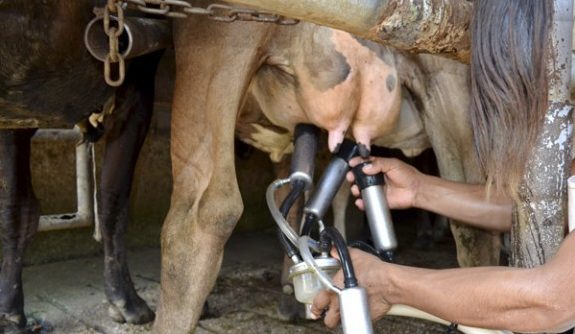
(327, 66)
(382, 52)
(390, 82)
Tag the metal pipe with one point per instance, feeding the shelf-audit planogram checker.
(331, 180)
(428, 26)
(305, 149)
(84, 216)
(141, 36)
(354, 310)
(377, 211)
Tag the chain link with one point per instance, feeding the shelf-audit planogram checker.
(114, 11)
(216, 12)
(114, 57)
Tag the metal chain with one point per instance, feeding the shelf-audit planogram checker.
(114, 7)
(216, 12)
(170, 8)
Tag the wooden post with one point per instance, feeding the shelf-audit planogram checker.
(538, 226)
(420, 26)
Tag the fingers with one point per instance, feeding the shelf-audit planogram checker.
(355, 190)
(356, 161)
(376, 165)
(332, 316)
(326, 303)
(350, 177)
(320, 303)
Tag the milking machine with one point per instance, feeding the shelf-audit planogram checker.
(310, 273)
(377, 212)
(313, 267)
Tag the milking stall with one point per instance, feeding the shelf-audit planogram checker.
(287, 166)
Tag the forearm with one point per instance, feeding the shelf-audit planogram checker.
(521, 300)
(465, 202)
(498, 298)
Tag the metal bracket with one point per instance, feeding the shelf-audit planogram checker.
(84, 216)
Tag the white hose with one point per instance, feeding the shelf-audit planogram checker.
(408, 311)
(279, 218)
(275, 212)
(303, 245)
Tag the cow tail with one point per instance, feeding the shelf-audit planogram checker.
(509, 84)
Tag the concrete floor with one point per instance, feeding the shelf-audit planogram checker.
(68, 297)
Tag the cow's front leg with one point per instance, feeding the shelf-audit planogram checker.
(19, 214)
(127, 130)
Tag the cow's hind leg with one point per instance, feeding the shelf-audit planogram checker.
(214, 66)
(19, 214)
(128, 127)
(205, 207)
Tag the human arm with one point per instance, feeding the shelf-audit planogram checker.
(407, 187)
(523, 300)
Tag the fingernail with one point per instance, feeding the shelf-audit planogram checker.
(314, 316)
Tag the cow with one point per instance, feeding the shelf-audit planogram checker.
(48, 79)
(300, 74)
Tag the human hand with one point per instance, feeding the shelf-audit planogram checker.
(368, 270)
(401, 181)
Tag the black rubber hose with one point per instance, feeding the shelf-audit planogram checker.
(308, 223)
(363, 246)
(331, 233)
(387, 256)
(298, 188)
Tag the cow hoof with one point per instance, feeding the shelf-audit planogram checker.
(289, 309)
(137, 313)
(11, 324)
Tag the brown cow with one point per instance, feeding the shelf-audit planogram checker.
(298, 74)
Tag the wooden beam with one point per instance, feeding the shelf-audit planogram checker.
(419, 26)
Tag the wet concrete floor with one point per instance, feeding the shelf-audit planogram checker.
(68, 297)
